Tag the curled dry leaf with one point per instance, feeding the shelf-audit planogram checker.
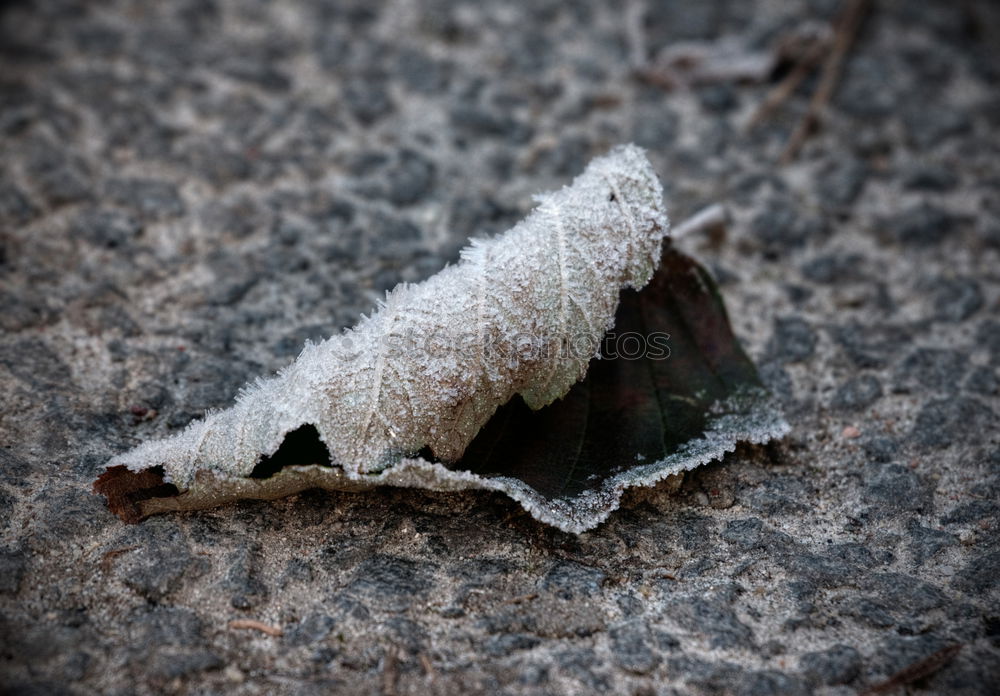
(399, 399)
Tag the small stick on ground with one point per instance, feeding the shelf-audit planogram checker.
(847, 30)
(522, 598)
(707, 220)
(108, 557)
(918, 670)
(256, 626)
(390, 672)
(784, 89)
(635, 37)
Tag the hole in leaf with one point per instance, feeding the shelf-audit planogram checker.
(300, 447)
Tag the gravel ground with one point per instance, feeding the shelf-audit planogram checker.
(189, 190)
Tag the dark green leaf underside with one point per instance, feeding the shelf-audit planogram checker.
(633, 413)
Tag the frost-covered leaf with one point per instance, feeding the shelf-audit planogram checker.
(520, 317)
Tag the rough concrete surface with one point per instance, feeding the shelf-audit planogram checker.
(191, 189)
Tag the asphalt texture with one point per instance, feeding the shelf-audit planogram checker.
(190, 190)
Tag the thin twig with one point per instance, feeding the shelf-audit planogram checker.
(390, 672)
(710, 219)
(257, 626)
(635, 36)
(780, 93)
(109, 556)
(918, 670)
(847, 30)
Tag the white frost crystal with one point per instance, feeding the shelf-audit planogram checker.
(520, 314)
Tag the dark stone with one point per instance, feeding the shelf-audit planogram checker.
(821, 570)
(580, 663)
(905, 593)
(900, 651)
(60, 175)
(925, 542)
(983, 380)
(156, 568)
(777, 380)
(15, 208)
(479, 216)
(858, 393)
(855, 554)
(390, 229)
(712, 618)
(666, 23)
(630, 648)
(23, 309)
(390, 582)
(956, 299)
(988, 338)
(922, 225)
(930, 177)
(507, 643)
(164, 625)
(781, 495)
(718, 98)
(368, 99)
(480, 572)
(570, 155)
(402, 182)
(655, 131)
(869, 611)
(880, 449)
(867, 89)
(570, 580)
(39, 687)
(836, 267)
(839, 664)
(216, 161)
(840, 184)
(33, 362)
(151, 199)
(959, 419)
(407, 634)
(793, 340)
(872, 346)
(106, 228)
(422, 73)
(981, 575)
(746, 533)
(665, 641)
(12, 566)
(895, 488)
(257, 71)
(929, 127)
(297, 570)
(7, 502)
(242, 577)
(780, 227)
(973, 511)
(770, 683)
(175, 665)
(311, 629)
(71, 512)
(238, 217)
(14, 470)
(478, 122)
(934, 369)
